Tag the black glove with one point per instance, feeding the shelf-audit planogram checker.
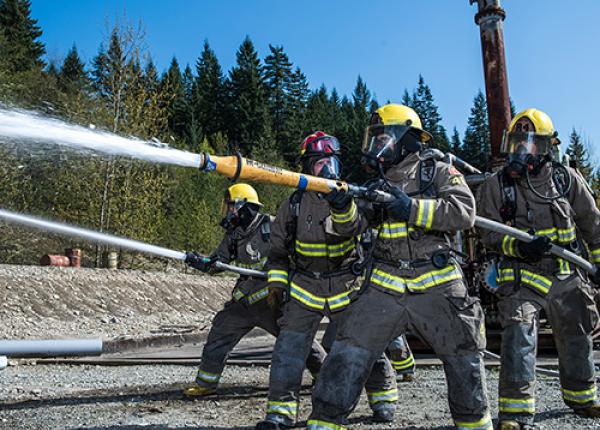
(534, 250)
(197, 261)
(338, 199)
(399, 208)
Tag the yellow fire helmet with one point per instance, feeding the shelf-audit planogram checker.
(238, 193)
(530, 132)
(396, 114)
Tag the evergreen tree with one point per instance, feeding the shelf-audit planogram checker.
(358, 120)
(423, 103)
(209, 93)
(179, 107)
(578, 153)
(298, 95)
(455, 145)
(317, 111)
(21, 34)
(476, 144)
(278, 75)
(72, 76)
(249, 129)
(406, 99)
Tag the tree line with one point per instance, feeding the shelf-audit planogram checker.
(261, 107)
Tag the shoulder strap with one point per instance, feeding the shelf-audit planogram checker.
(508, 210)
(292, 224)
(265, 228)
(427, 168)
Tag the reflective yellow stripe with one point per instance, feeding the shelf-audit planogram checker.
(289, 409)
(258, 295)
(237, 294)
(325, 250)
(277, 276)
(508, 246)
(420, 283)
(425, 213)
(307, 298)
(338, 301)
(256, 266)
(566, 234)
(564, 268)
(383, 396)
(483, 424)
(393, 230)
(506, 404)
(404, 364)
(204, 376)
(540, 283)
(583, 396)
(596, 255)
(323, 425)
(505, 275)
(341, 248)
(346, 216)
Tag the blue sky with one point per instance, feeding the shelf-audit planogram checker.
(551, 45)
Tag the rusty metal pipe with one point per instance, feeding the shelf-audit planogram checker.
(490, 18)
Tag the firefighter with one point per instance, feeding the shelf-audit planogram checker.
(310, 268)
(412, 280)
(552, 202)
(246, 242)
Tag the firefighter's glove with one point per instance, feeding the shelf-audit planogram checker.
(197, 261)
(275, 297)
(399, 208)
(338, 199)
(534, 250)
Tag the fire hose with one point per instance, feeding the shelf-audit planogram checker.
(237, 167)
(108, 239)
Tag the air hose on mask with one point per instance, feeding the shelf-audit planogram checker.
(563, 190)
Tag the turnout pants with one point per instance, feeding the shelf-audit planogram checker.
(398, 351)
(232, 323)
(401, 356)
(572, 313)
(445, 317)
(298, 328)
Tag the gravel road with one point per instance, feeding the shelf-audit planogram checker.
(148, 397)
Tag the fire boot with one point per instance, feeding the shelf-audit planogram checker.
(384, 412)
(270, 425)
(514, 425)
(199, 391)
(589, 412)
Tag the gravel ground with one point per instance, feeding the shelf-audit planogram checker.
(148, 397)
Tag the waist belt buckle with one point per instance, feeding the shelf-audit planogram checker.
(317, 275)
(404, 264)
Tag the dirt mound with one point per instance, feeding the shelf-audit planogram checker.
(47, 302)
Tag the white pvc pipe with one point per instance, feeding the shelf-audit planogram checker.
(50, 348)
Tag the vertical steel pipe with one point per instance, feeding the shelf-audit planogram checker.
(490, 18)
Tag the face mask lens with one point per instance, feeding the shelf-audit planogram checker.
(328, 167)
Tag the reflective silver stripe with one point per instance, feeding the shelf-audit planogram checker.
(506, 404)
(383, 396)
(483, 424)
(289, 409)
(258, 295)
(583, 396)
(207, 376)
